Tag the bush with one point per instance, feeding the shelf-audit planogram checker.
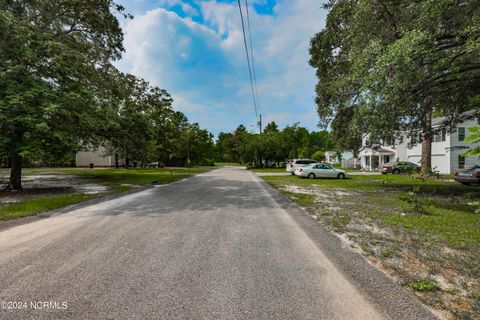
(207, 162)
(319, 155)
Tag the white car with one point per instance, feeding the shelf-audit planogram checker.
(318, 170)
(294, 164)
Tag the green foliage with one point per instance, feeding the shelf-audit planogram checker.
(384, 67)
(273, 144)
(476, 205)
(424, 285)
(319, 155)
(61, 93)
(413, 198)
(450, 217)
(474, 137)
(54, 61)
(36, 205)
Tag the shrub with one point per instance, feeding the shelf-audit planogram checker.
(318, 155)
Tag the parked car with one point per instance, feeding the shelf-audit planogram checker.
(318, 170)
(155, 165)
(468, 176)
(296, 163)
(400, 167)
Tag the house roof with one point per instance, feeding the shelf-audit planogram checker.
(376, 152)
(465, 115)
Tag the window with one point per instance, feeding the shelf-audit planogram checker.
(386, 159)
(461, 162)
(367, 161)
(440, 136)
(461, 134)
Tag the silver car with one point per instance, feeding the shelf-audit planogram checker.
(294, 164)
(318, 170)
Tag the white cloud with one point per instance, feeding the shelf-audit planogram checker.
(203, 64)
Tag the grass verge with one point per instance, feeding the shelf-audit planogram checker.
(424, 233)
(37, 205)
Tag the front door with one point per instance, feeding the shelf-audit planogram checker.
(375, 162)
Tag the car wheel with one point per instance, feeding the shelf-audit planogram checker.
(396, 171)
(311, 176)
(341, 176)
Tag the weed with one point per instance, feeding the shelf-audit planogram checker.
(387, 252)
(424, 285)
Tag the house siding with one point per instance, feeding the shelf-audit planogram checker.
(445, 154)
(454, 142)
(96, 156)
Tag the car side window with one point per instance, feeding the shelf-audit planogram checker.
(328, 167)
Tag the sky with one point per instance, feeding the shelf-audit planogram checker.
(194, 49)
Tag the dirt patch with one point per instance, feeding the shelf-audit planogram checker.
(444, 277)
(49, 185)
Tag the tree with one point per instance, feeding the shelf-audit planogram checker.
(273, 144)
(53, 59)
(271, 127)
(394, 64)
(294, 139)
(319, 155)
(475, 138)
(140, 112)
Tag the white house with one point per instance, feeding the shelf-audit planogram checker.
(98, 157)
(336, 157)
(447, 150)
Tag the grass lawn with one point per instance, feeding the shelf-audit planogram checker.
(37, 205)
(117, 180)
(425, 233)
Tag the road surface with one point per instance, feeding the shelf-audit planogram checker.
(220, 245)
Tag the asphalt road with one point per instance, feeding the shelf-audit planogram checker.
(221, 245)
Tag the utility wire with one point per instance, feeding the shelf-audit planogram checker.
(251, 53)
(248, 60)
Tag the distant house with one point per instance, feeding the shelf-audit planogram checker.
(337, 157)
(99, 157)
(447, 149)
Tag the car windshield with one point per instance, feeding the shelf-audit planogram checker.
(474, 168)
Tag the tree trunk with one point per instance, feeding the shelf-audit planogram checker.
(427, 142)
(116, 160)
(15, 182)
(127, 163)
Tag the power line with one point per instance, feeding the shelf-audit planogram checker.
(248, 61)
(251, 53)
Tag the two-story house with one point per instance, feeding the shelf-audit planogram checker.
(447, 149)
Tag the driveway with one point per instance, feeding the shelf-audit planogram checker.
(220, 245)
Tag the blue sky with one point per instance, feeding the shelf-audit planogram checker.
(194, 49)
